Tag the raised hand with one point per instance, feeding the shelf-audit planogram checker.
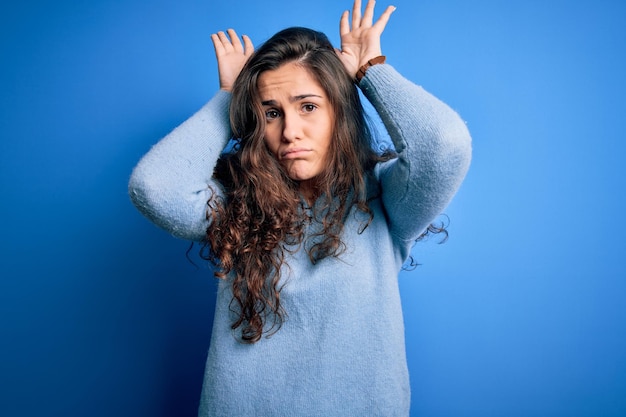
(361, 42)
(231, 56)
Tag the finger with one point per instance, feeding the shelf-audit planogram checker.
(368, 16)
(384, 18)
(248, 46)
(226, 44)
(344, 23)
(234, 40)
(356, 14)
(217, 44)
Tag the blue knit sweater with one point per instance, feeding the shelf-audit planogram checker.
(341, 350)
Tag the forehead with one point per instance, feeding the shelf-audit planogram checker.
(288, 79)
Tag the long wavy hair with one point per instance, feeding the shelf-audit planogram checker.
(263, 216)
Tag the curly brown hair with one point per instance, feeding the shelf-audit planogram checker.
(263, 215)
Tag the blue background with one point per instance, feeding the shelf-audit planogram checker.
(522, 312)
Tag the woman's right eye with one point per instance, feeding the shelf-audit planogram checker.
(271, 114)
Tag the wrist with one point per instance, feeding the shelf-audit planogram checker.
(374, 61)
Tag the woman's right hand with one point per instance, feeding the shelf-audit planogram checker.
(231, 56)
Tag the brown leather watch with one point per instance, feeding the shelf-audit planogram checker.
(361, 72)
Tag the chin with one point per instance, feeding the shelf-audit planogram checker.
(296, 176)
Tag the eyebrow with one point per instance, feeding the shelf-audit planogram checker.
(291, 99)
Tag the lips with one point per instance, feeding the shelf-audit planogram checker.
(294, 153)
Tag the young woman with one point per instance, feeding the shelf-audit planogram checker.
(308, 227)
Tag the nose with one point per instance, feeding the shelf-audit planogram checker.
(292, 127)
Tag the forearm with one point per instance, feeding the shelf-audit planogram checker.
(433, 146)
(172, 183)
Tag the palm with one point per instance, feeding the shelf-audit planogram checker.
(360, 39)
(231, 56)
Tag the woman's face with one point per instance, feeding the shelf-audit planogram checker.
(299, 122)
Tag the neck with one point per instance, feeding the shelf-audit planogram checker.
(309, 190)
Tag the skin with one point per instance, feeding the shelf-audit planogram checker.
(360, 42)
(299, 123)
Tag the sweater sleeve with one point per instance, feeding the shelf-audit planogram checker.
(173, 182)
(433, 146)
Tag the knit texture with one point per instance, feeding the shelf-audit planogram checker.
(341, 350)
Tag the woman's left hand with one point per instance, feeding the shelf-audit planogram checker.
(231, 55)
(361, 43)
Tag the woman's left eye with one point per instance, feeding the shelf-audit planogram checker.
(308, 108)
